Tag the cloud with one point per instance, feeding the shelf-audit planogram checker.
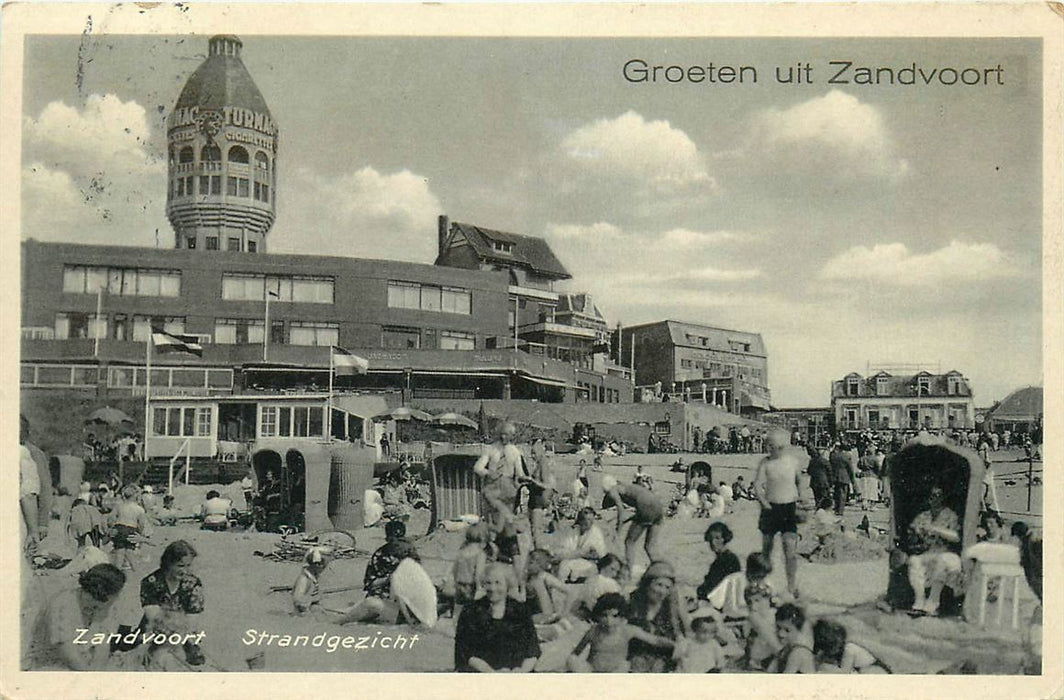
(92, 174)
(835, 136)
(105, 132)
(681, 237)
(597, 231)
(363, 213)
(895, 264)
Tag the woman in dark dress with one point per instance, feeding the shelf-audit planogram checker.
(496, 633)
(655, 608)
(725, 563)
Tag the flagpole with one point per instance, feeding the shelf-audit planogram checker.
(147, 392)
(266, 329)
(99, 309)
(328, 421)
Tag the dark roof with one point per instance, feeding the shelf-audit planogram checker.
(578, 302)
(902, 385)
(1022, 404)
(222, 81)
(528, 251)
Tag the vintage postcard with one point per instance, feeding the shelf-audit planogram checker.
(418, 340)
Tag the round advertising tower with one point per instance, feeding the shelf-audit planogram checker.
(222, 157)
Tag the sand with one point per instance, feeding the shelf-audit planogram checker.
(237, 586)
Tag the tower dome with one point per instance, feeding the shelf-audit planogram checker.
(222, 156)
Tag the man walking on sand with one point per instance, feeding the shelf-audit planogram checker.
(777, 487)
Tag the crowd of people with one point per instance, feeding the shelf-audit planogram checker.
(516, 584)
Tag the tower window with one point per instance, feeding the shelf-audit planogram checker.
(252, 247)
(238, 154)
(262, 162)
(233, 244)
(186, 155)
(212, 242)
(180, 189)
(190, 242)
(242, 187)
(211, 154)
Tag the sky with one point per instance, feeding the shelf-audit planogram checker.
(847, 224)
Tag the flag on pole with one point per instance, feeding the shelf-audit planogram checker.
(171, 342)
(345, 362)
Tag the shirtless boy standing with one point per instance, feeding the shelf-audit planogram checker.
(777, 487)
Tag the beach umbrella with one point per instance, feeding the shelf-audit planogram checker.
(455, 419)
(403, 413)
(109, 416)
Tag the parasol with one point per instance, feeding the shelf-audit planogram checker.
(109, 416)
(455, 419)
(402, 413)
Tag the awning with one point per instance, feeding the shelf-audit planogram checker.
(457, 373)
(547, 382)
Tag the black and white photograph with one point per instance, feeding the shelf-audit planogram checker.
(497, 345)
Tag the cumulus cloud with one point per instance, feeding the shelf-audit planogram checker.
(835, 136)
(92, 174)
(894, 263)
(363, 213)
(681, 237)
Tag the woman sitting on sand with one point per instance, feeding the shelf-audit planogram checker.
(172, 593)
(53, 645)
(583, 549)
(655, 608)
(496, 632)
(378, 604)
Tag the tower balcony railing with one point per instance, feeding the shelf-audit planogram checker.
(211, 166)
(184, 167)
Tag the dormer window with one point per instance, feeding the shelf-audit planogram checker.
(923, 386)
(502, 247)
(853, 386)
(954, 385)
(881, 386)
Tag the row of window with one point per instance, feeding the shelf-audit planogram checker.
(174, 421)
(242, 331)
(232, 244)
(404, 338)
(213, 154)
(291, 421)
(426, 297)
(212, 185)
(306, 290)
(184, 379)
(143, 282)
(921, 388)
(599, 394)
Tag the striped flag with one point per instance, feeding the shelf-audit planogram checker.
(345, 362)
(171, 342)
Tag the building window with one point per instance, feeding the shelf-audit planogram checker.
(315, 334)
(143, 325)
(242, 187)
(203, 422)
(268, 422)
(262, 162)
(233, 244)
(400, 338)
(212, 242)
(502, 247)
(187, 155)
(457, 340)
(252, 247)
(304, 290)
(230, 188)
(180, 189)
(923, 386)
(238, 331)
(953, 385)
(190, 242)
(881, 386)
(238, 154)
(120, 281)
(211, 154)
(411, 295)
(80, 325)
(853, 386)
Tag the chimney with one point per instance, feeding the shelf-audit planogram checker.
(443, 230)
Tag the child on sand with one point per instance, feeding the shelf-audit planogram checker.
(758, 569)
(608, 638)
(796, 654)
(603, 582)
(469, 566)
(835, 654)
(704, 652)
(540, 586)
(306, 592)
(130, 520)
(762, 644)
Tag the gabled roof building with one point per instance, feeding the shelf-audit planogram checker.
(885, 401)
